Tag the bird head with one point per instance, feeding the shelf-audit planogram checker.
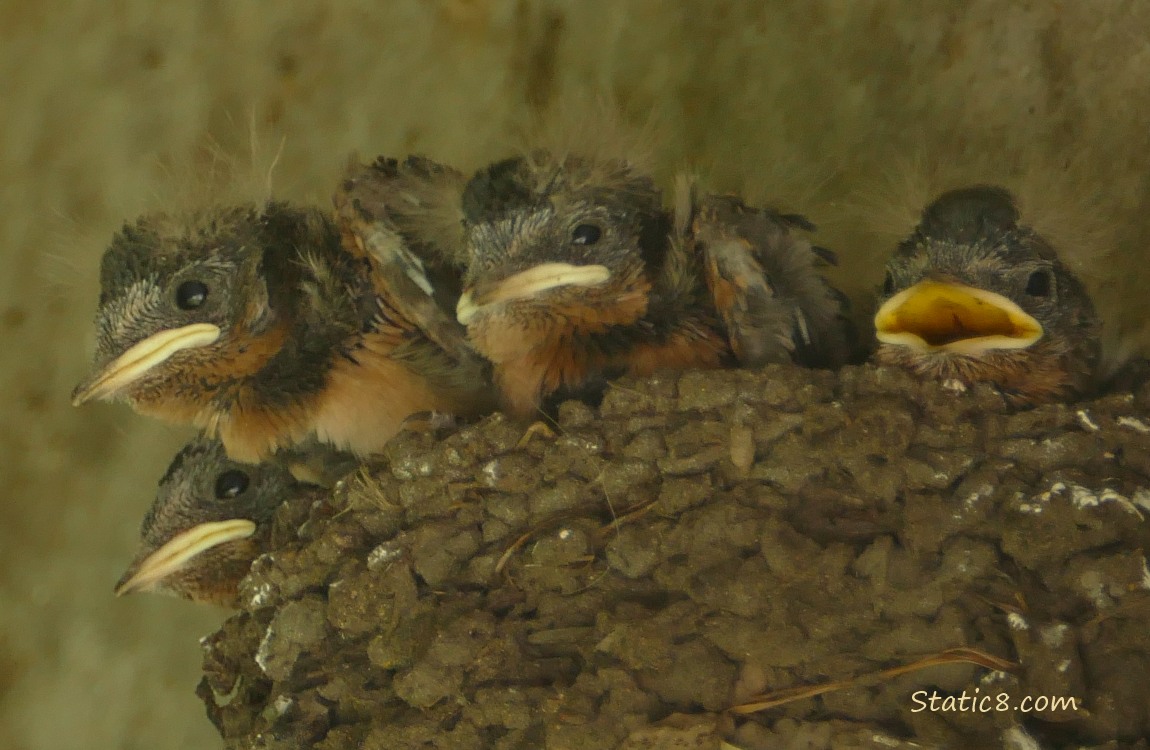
(187, 302)
(211, 518)
(567, 239)
(971, 281)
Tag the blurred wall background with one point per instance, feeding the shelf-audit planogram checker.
(852, 111)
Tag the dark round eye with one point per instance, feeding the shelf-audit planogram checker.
(586, 234)
(191, 294)
(888, 284)
(1039, 284)
(231, 484)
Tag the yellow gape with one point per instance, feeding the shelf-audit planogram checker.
(938, 316)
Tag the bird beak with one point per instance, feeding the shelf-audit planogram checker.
(145, 573)
(934, 316)
(129, 366)
(526, 284)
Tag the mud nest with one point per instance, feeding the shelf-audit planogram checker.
(700, 542)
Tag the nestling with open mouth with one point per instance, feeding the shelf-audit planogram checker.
(974, 296)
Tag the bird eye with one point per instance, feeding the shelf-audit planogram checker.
(231, 484)
(888, 284)
(191, 294)
(586, 234)
(1039, 284)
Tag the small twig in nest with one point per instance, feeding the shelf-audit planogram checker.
(526, 536)
(591, 583)
(539, 428)
(1010, 609)
(515, 547)
(364, 484)
(950, 656)
(1126, 608)
(633, 391)
(632, 514)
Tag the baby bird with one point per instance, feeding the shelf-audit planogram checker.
(974, 296)
(576, 272)
(211, 518)
(261, 327)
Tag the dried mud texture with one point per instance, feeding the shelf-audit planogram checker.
(697, 541)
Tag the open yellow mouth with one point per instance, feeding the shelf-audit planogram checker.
(528, 284)
(132, 364)
(938, 316)
(175, 554)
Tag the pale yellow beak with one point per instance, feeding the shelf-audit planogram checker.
(528, 284)
(175, 554)
(934, 316)
(132, 364)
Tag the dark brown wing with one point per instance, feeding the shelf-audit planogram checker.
(418, 198)
(406, 217)
(766, 286)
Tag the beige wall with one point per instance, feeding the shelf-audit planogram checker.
(109, 109)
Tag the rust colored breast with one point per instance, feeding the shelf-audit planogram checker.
(366, 401)
(685, 349)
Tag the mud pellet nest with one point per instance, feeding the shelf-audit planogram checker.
(701, 541)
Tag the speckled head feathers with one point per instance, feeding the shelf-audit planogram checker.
(210, 520)
(178, 290)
